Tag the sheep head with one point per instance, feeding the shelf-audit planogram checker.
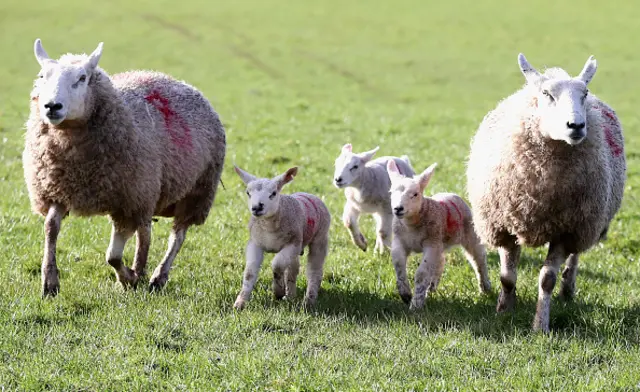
(349, 165)
(62, 85)
(264, 194)
(406, 192)
(561, 100)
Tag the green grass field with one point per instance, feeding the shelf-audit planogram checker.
(293, 81)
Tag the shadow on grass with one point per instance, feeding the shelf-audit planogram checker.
(589, 321)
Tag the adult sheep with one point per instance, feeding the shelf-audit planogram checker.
(546, 166)
(131, 146)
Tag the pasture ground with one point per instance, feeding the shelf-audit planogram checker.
(293, 81)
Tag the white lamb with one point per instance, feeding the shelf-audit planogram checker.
(430, 225)
(366, 187)
(285, 225)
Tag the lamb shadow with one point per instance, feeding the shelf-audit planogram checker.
(477, 315)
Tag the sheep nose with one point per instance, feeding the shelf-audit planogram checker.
(398, 210)
(53, 107)
(338, 180)
(257, 208)
(576, 126)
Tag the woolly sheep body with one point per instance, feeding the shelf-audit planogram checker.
(148, 145)
(528, 189)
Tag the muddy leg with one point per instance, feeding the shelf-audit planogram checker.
(119, 238)
(291, 276)
(49, 270)
(315, 264)
(383, 231)
(568, 282)
(509, 258)
(161, 273)
(477, 257)
(143, 241)
(289, 255)
(399, 257)
(546, 283)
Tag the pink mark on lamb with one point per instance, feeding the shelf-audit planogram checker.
(616, 149)
(173, 122)
(310, 209)
(452, 223)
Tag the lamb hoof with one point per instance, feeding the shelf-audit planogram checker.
(406, 298)
(361, 242)
(506, 301)
(567, 292)
(308, 303)
(540, 325)
(50, 283)
(128, 279)
(416, 305)
(157, 283)
(485, 288)
(239, 304)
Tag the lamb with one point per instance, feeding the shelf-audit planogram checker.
(430, 225)
(547, 165)
(366, 187)
(132, 146)
(284, 225)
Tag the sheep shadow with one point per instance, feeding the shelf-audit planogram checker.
(476, 314)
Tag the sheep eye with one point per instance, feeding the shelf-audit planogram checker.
(415, 194)
(248, 194)
(548, 94)
(82, 78)
(272, 195)
(355, 167)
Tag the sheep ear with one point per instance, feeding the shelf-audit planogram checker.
(347, 147)
(392, 170)
(41, 54)
(530, 73)
(589, 70)
(244, 176)
(92, 63)
(425, 176)
(287, 177)
(366, 156)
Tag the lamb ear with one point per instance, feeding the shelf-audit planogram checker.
(244, 176)
(286, 177)
(366, 156)
(589, 70)
(425, 176)
(392, 170)
(347, 147)
(92, 63)
(530, 73)
(41, 54)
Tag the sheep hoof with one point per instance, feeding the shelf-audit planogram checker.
(540, 326)
(50, 283)
(406, 298)
(308, 303)
(157, 283)
(416, 305)
(506, 301)
(239, 304)
(567, 292)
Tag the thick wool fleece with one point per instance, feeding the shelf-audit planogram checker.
(150, 145)
(528, 188)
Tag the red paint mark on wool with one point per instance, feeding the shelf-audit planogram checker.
(616, 149)
(309, 204)
(173, 122)
(452, 223)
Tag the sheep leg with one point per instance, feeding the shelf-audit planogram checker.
(509, 257)
(161, 273)
(428, 275)
(119, 238)
(399, 257)
(143, 242)
(291, 276)
(49, 269)
(546, 282)
(350, 218)
(254, 255)
(568, 282)
(383, 231)
(477, 256)
(287, 256)
(315, 264)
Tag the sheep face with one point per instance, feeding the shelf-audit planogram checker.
(264, 194)
(349, 166)
(561, 100)
(62, 85)
(406, 193)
